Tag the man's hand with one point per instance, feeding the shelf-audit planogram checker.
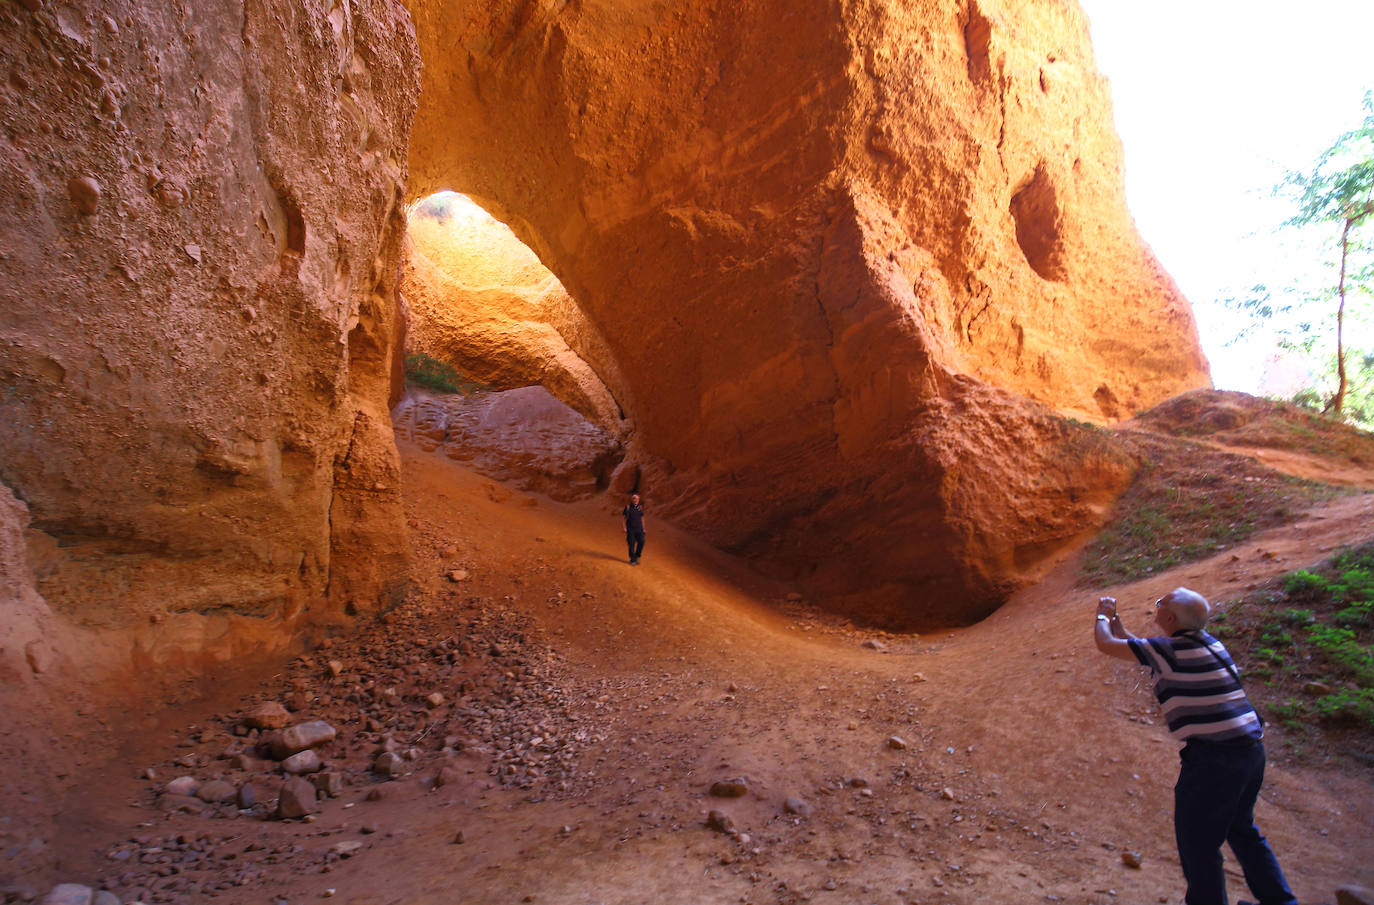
(1108, 634)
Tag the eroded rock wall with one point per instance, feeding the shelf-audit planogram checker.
(200, 232)
(840, 251)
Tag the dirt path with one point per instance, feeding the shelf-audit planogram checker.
(611, 698)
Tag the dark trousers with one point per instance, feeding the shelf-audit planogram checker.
(1214, 802)
(635, 541)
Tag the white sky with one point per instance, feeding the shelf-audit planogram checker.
(1214, 99)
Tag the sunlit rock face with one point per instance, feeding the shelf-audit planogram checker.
(844, 254)
(479, 300)
(201, 232)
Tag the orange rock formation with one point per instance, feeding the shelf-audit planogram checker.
(839, 253)
(834, 265)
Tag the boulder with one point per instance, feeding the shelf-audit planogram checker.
(302, 736)
(730, 788)
(388, 763)
(182, 785)
(297, 798)
(69, 894)
(306, 761)
(267, 715)
(216, 791)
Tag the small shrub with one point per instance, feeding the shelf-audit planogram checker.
(1347, 706)
(1354, 585)
(1304, 585)
(1297, 617)
(439, 376)
(1360, 614)
(1291, 713)
(1339, 645)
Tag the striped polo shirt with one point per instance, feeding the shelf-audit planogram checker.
(1200, 698)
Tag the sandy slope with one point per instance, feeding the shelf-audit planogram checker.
(1031, 762)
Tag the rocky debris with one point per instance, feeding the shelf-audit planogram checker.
(185, 868)
(947, 794)
(896, 742)
(458, 575)
(15, 891)
(187, 804)
(796, 805)
(874, 644)
(297, 798)
(504, 706)
(1131, 859)
(730, 788)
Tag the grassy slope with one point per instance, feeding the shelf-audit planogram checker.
(1306, 641)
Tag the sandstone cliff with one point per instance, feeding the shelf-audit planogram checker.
(841, 253)
(200, 233)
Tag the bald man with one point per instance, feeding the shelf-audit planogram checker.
(1223, 752)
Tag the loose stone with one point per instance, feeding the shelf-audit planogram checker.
(183, 785)
(730, 788)
(296, 799)
(216, 791)
(301, 762)
(267, 715)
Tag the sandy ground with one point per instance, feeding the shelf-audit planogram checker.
(1029, 763)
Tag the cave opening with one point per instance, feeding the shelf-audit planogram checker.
(504, 370)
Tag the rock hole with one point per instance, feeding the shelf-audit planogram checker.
(295, 228)
(1035, 209)
(978, 45)
(1107, 402)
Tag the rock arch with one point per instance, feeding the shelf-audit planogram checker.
(481, 300)
(787, 227)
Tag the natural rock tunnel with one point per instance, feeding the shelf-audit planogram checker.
(838, 268)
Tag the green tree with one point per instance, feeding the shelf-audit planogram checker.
(1339, 193)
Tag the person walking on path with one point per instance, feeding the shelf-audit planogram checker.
(634, 528)
(1223, 749)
